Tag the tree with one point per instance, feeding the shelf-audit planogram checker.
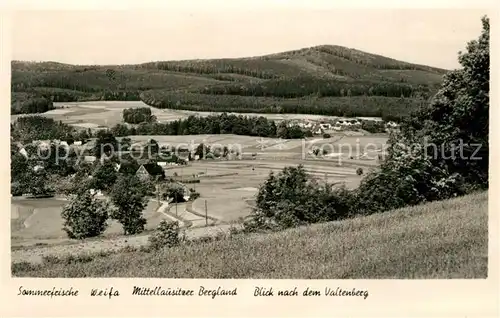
(128, 195)
(18, 164)
(37, 183)
(430, 159)
(201, 151)
(104, 176)
(152, 147)
(128, 166)
(458, 116)
(282, 130)
(125, 143)
(106, 144)
(174, 191)
(85, 216)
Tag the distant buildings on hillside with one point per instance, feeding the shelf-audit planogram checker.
(330, 125)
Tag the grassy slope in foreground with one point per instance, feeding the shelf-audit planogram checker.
(447, 239)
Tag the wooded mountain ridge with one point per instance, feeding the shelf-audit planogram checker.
(326, 80)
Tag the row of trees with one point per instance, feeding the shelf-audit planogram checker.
(389, 108)
(254, 68)
(305, 85)
(372, 60)
(36, 127)
(442, 151)
(214, 124)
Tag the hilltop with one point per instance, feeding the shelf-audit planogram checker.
(323, 80)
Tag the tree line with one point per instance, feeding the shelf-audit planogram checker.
(304, 85)
(214, 124)
(25, 103)
(389, 108)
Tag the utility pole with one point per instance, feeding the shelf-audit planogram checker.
(158, 190)
(206, 214)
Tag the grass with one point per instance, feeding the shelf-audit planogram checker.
(41, 219)
(447, 239)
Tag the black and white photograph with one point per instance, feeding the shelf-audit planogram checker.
(278, 143)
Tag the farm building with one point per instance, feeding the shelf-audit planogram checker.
(149, 170)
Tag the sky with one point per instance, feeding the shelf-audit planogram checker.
(430, 37)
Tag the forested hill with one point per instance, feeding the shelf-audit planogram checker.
(328, 80)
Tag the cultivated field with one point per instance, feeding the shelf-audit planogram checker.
(227, 186)
(340, 148)
(439, 240)
(109, 113)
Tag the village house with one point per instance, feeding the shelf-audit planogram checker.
(148, 171)
(317, 130)
(89, 159)
(391, 126)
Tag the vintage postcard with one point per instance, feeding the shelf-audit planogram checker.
(250, 158)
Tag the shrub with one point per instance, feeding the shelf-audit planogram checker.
(359, 171)
(406, 178)
(167, 234)
(193, 194)
(326, 136)
(291, 198)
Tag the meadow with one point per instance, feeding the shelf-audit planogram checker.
(100, 114)
(438, 240)
(39, 220)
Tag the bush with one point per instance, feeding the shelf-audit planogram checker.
(193, 194)
(291, 198)
(326, 136)
(406, 178)
(359, 171)
(167, 234)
